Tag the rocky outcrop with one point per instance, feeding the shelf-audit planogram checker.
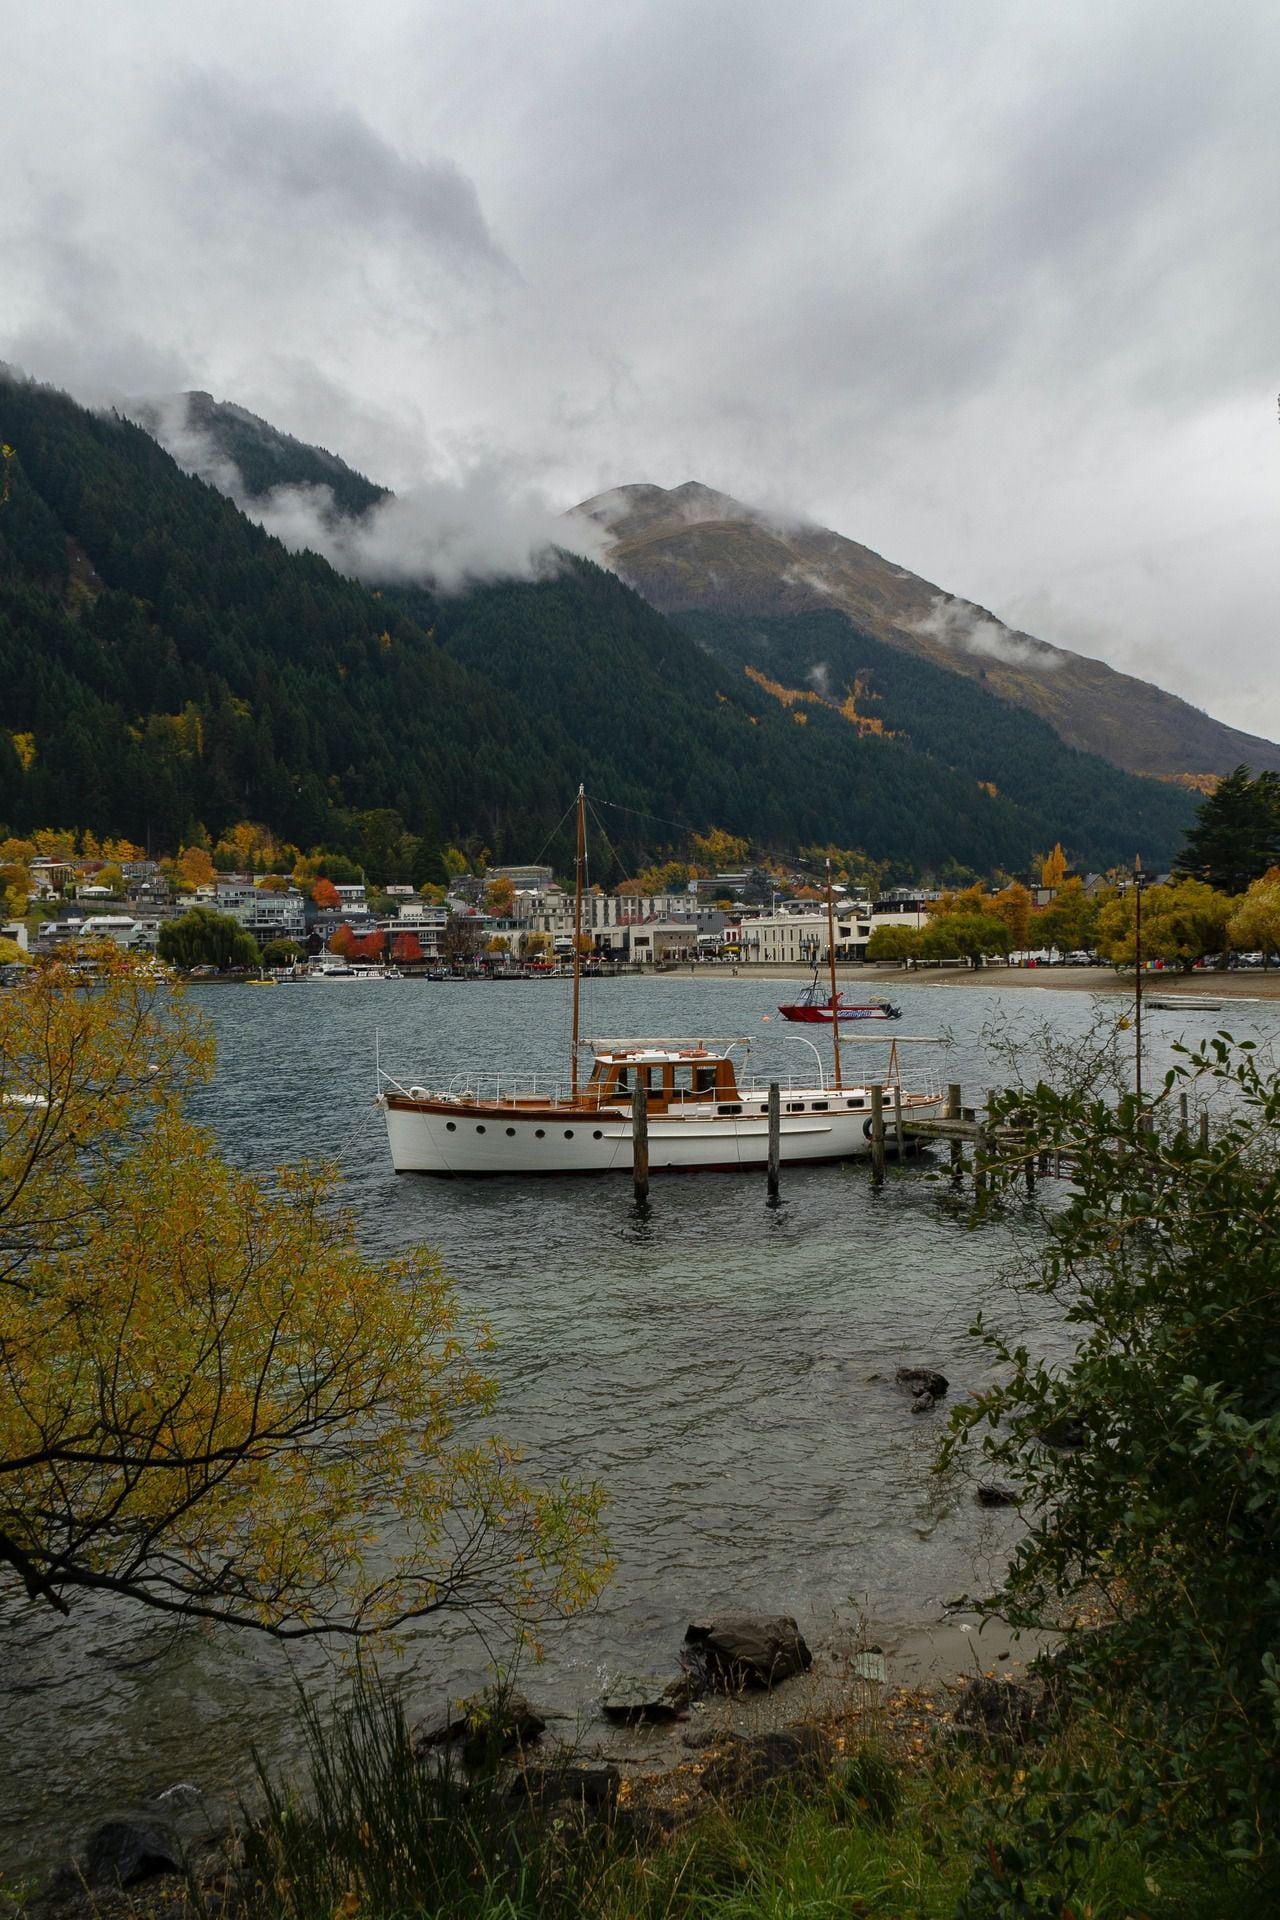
(635, 1698)
(736, 1651)
(924, 1384)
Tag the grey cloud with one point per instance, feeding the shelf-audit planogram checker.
(325, 168)
(956, 624)
(982, 288)
(444, 532)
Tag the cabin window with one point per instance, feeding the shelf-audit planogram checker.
(704, 1079)
(682, 1080)
(853, 1103)
(820, 1106)
(731, 1108)
(649, 1077)
(795, 1106)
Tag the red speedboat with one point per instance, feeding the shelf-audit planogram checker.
(814, 1007)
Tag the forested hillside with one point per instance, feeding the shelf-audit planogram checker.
(691, 549)
(166, 665)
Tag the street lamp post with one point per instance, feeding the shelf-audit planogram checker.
(1139, 882)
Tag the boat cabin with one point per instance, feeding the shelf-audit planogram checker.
(668, 1071)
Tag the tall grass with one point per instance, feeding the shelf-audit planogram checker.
(377, 1835)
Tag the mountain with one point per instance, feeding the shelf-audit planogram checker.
(217, 434)
(691, 548)
(166, 666)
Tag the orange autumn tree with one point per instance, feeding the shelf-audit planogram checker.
(325, 894)
(207, 1390)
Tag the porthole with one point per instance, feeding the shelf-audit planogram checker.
(479, 1129)
(539, 1133)
(451, 1126)
(511, 1133)
(568, 1133)
(598, 1134)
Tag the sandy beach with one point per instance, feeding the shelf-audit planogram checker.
(883, 981)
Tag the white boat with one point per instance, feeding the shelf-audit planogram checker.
(699, 1111)
(1182, 1002)
(351, 970)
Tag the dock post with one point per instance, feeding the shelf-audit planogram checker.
(640, 1141)
(954, 1098)
(983, 1149)
(1204, 1129)
(899, 1140)
(1029, 1163)
(877, 1135)
(775, 1139)
(1184, 1135)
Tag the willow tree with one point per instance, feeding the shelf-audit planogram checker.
(211, 1403)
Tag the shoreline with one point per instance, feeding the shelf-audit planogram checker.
(1245, 984)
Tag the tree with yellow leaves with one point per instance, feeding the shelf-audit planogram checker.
(1053, 868)
(210, 1402)
(1255, 923)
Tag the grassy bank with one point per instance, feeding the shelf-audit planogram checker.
(978, 1826)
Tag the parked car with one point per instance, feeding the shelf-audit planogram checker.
(1080, 959)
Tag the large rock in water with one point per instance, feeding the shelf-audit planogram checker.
(925, 1386)
(487, 1727)
(747, 1650)
(651, 1696)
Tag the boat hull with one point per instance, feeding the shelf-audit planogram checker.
(429, 1137)
(821, 1016)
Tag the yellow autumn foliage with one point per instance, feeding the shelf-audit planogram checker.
(210, 1401)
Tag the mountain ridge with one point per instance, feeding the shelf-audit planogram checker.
(691, 548)
(169, 668)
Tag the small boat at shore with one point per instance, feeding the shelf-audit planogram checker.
(1179, 1002)
(816, 1006)
(697, 1105)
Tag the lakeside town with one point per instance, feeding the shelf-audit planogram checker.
(520, 917)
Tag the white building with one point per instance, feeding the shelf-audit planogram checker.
(122, 928)
(262, 911)
(788, 938)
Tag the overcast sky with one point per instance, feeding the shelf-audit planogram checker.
(992, 286)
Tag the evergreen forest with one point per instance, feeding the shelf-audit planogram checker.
(167, 668)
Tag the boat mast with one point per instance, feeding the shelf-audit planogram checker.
(579, 863)
(835, 997)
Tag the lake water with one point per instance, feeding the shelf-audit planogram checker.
(725, 1370)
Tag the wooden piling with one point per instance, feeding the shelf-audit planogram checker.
(775, 1139)
(1204, 1129)
(898, 1136)
(877, 1135)
(640, 1140)
(954, 1098)
(982, 1151)
(1183, 1118)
